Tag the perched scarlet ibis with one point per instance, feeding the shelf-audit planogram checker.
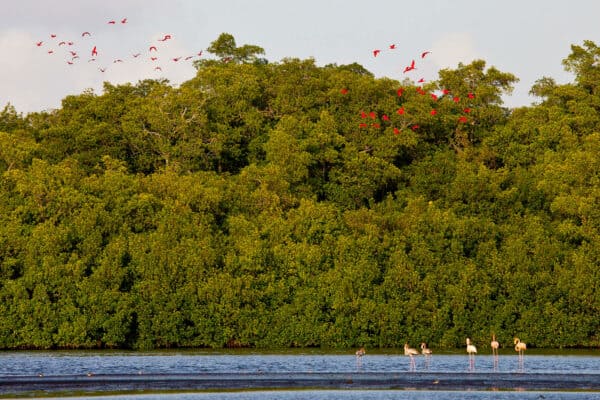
(471, 95)
(363, 114)
(396, 131)
(433, 112)
(421, 91)
(344, 91)
(400, 111)
(362, 125)
(456, 99)
(372, 115)
(445, 92)
(434, 96)
(375, 125)
(467, 110)
(385, 117)
(414, 127)
(462, 119)
(400, 91)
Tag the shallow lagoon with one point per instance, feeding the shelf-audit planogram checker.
(234, 363)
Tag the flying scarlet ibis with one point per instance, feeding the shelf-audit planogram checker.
(152, 48)
(94, 52)
(165, 38)
(423, 54)
(124, 21)
(376, 52)
(392, 46)
(86, 34)
(112, 22)
(52, 35)
(39, 44)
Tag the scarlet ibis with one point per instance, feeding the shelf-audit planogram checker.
(376, 53)
(423, 54)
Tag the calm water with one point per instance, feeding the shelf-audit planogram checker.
(98, 363)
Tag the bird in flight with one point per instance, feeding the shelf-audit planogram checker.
(39, 44)
(392, 46)
(62, 43)
(423, 54)
(376, 52)
(165, 38)
(158, 69)
(124, 21)
(94, 52)
(152, 48)
(176, 59)
(52, 35)
(136, 55)
(86, 34)
(410, 67)
(102, 69)
(154, 58)
(112, 22)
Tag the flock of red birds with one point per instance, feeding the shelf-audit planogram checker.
(91, 53)
(377, 120)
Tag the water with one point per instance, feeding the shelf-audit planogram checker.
(235, 363)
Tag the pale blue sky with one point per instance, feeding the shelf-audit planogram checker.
(528, 38)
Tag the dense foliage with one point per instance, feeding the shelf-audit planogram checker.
(247, 208)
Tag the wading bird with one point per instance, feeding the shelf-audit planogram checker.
(471, 350)
(409, 351)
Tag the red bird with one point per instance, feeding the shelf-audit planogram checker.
(154, 58)
(50, 51)
(372, 115)
(39, 44)
(70, 43)
(91, 60)
(117, 61)
(433, 112)
(165, 38)
(62, 43)
(112, 22)
(158, 69)
(70, 62)
(94, 51)
(456, 99)
(421, 80)
(52, 35)
(176, 59)
(414, 127)
(462, 119)
(385, 117)
(434, 96)
(376, 53)
(400, 111)
(396, 131)
(400, 91)
(86, 33)
(410, 67)
(421, 91)
(124, 21)
(362, 125)
(344, 91)
(363, 114)
(136, 55)
(199, 54)
(445, 91)
(392, 46)
(471, 95)
(375, 125)
(423, 54)
(190, 57)
(152, 48)
(102, 69)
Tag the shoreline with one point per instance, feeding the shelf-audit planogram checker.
(98, 384)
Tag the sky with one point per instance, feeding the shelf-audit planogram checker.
(528, 38)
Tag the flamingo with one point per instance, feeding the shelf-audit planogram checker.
(494, 345)
(360, 352)
(425, 351)
(408, 351)
(472, 350)
(520, 347)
